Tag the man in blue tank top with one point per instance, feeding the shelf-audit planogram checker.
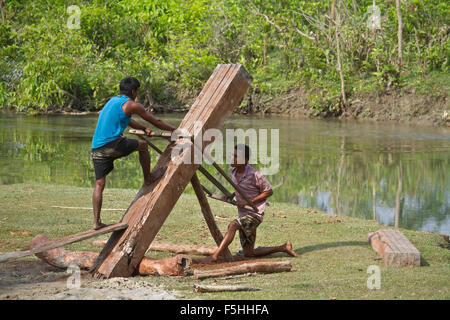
(108, 144)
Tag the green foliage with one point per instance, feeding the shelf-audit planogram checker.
(174, 45)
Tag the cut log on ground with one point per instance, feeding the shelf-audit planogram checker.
(262, 267)
(394, 248)
(217, 101)
(203, 288)
(178, 265)
(172, 247)
(174, 266)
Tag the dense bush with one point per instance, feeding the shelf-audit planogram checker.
(176, 44)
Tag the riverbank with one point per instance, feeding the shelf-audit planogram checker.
(333, 262)
(400, 105)
(397, 105)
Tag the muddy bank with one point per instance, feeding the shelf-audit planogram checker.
(402, 105)
(396, 105)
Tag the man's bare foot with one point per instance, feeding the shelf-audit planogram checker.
(99, 225)
(206, 260)
(288, 249)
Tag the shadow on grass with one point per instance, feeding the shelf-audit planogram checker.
(322, 246)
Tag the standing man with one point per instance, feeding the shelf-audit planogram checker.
(256, 187)
(108, 144)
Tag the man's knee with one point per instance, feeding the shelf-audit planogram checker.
(100, 183)
(142, 146)
(234, 225)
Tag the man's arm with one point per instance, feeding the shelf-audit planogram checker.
(137, 108)
(259, 198)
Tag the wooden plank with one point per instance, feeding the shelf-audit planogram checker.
(209, 217)
(394, 248)
(123, 252)
(62, 242)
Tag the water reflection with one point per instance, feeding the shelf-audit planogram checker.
(395, 174)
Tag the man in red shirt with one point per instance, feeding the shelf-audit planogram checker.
(256, 187)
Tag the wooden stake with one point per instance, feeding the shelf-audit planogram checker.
(209, 217)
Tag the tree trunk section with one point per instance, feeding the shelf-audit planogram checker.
(172, 247)
(174, 266)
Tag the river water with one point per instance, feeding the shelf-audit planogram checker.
(396, 174)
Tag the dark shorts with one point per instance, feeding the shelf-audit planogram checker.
(103, 157)
(247, 232)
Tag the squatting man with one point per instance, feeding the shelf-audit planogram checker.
(255, 186)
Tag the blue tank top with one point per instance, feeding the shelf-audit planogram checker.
(111, 122)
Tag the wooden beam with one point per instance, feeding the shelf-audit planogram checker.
(218, 99)
(394, 248)
(172, 247)
(209, 217)
(62, 242)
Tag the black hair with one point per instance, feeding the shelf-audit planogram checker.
(244, 147)
(128, 84)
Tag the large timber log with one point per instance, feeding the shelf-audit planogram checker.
(172, 247)
(174, 266)
(125, 249)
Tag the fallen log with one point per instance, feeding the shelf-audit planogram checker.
(262, 267)
(394, 248)
(203, 288)
(175, 266)
(171, 247)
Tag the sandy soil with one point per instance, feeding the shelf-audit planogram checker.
(35, 280)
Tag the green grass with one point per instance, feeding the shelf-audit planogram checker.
(334, 253)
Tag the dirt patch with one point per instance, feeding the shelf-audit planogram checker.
(35, 280)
